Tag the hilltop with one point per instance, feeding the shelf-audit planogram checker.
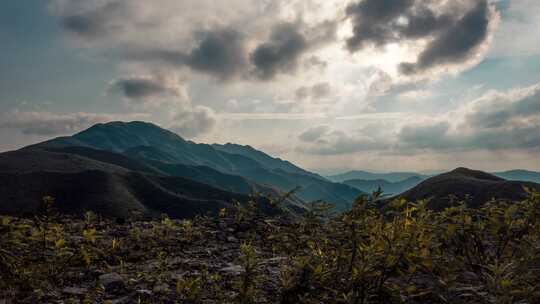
(474, 186)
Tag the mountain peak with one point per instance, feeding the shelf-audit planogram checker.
(119, 136)
(134, 125)
(466, 172)
(463, 170)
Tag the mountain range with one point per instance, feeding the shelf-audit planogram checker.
(398, 182)
(388, 188)
(118, 166)
(392, 177)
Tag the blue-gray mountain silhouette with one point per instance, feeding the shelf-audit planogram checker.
(146, 149)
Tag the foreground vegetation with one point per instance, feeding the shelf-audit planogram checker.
(403, 253)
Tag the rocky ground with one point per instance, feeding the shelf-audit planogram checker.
(405, 253)
(158, 261)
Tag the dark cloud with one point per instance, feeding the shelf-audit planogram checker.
(453, 35)
(221, 53)
(375, 21)
(281, 53)
(97, 22)
(224, 54)
(139, 88)
(455, 44)
(225, 51)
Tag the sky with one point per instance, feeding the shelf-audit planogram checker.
(331, 85)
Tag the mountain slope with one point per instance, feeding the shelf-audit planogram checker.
(392, 177)
(480, 186)
(369, 186)
(168, 153)
(79, 184)
(264, 159)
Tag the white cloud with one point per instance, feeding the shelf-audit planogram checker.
(194, 121)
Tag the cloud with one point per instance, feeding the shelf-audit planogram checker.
(95, 22)
(375, 22)
(194, 121)
(149, 90)
(495, 121)
(224, 53)
(280, 53)
(421, 136)
(314, 133)
(237, 39)
(324, 140)
(457, 43)
(450, 34)
(43, 123)
(272, 116)
(414, 95)
(220, 53)
(286, 44)
(317, 91)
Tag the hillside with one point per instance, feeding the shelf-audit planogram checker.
(82, 184)
(463, 182)
(169, 154)
(264, 159)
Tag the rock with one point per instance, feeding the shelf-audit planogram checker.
(233, 270)
(75, 291)
(112, 282)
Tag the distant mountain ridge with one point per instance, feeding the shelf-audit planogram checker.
(520, 175)
(388, 188)
(462, 183)
(391, 177)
